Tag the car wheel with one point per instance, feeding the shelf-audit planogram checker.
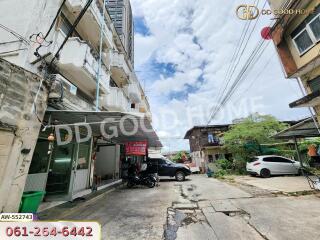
(265, 173)
(180, 176)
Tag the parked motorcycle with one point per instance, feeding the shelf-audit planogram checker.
(148, 180)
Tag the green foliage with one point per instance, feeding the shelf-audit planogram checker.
(181, 157)
(303, 146)
(220, 173)
(243, 140)
(224, 164)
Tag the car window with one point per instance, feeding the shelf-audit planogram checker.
(162, 161)
(269, 159)
(253, 159)
(276, 160)
(282, 160)
(168, 161)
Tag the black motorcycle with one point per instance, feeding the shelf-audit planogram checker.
(148, 180)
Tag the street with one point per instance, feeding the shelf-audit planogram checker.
(199, 208)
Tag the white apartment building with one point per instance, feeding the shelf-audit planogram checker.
(31, 34)
(78, 62)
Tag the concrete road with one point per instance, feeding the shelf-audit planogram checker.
(200, 208)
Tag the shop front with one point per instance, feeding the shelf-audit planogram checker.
(61, 171)
(135, 154)
(75, 168)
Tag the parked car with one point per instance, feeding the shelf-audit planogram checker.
(265, 166)
(165, 168)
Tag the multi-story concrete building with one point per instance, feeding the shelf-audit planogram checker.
(297, 40)
(206, 144)
(76, 77)
(121, 14)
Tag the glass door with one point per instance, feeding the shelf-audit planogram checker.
(82, 167)
(59, 176)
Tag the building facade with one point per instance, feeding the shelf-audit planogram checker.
(73, 75)
(297, 40)
(121, 13)
(206, 144)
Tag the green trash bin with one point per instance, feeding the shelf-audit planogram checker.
(30, 201)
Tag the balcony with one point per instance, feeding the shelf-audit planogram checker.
(134, 93)
(116, 100)
(120, 69)
(144, 107)
(78, 64)
(90, 24)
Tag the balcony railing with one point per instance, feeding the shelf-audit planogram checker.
(116, 100)
(78, 63)
(119, 68)
(92, 20)
(134, 93)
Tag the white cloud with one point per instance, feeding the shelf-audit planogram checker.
(198, 38)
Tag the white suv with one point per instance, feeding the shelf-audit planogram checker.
(268, 165)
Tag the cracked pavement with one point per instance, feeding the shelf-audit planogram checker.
(200, 208)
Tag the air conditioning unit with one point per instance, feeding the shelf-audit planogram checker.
(56, 91)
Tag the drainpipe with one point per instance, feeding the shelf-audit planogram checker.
(100, 55)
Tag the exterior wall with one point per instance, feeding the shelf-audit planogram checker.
(277, 4)
(294, 63)
(107, 162)
(37, 17)
(23, 104)
(121, 14)
(312, 53)
(26, 23)
(198, 157)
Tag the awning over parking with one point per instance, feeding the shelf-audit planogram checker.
(304, 129)
(117, 127)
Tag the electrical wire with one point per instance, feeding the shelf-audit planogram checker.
(235, 60)
(75, 24)
(17, 35)
(257, 52)
(55, 19)
(264, 68)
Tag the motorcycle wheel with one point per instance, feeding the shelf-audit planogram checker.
(151, 184)
(130, 184)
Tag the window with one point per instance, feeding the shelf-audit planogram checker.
(162, 161)
(276, 160)
(315, 27)
(65, 26)
(210, 157)
(253, 159)
(307, 34)
(314, 84)
(133, 105)
(269, 159)
(282, 160)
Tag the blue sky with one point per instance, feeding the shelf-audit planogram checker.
(182, 52)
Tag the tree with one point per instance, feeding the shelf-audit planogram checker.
(181, 157)
(243, 139)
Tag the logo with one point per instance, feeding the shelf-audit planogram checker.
(247, 12)
(251, 12)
